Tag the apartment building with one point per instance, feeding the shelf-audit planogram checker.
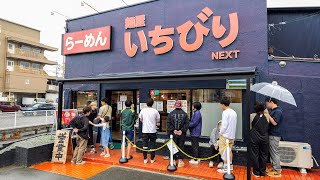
(22, 60)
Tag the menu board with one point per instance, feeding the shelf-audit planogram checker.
(159, 105)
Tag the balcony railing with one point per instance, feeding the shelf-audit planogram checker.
(27, 70)
(28, 54)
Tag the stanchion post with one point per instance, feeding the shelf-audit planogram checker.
(123, 158)
(171, 167)
(15, 119)
(228, 175)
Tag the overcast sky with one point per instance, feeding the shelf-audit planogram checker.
(37, 14)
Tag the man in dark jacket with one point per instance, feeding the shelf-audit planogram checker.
(82, 130)
(177, 125)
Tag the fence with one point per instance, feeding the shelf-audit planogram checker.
(12, 120)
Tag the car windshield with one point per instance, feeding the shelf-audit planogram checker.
(36, 105)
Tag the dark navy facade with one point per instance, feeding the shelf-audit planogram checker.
(301, 78)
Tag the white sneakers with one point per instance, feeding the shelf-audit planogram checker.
(225, 169)
(106, 155)
(220, 165)
(211, 164)
(80, 163)
(145, 161)
(180, 163)
(194, 162)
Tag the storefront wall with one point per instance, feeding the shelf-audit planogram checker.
(302, 80)
(251, 42)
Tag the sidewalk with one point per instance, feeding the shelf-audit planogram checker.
(97, 164)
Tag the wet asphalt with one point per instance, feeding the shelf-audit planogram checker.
(113, 173)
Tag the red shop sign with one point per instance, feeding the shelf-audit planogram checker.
(98, 39)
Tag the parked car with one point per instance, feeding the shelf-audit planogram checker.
(7, 106)
(39, 109)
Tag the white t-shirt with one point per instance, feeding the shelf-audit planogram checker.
(229, 124)
(149, 118)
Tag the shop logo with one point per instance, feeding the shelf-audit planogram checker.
(161, 38)
(87, 41)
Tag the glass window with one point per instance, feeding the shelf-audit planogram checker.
(24, 65)
(35, 66)
(11, 48)
(10, 65)
(36, 50)
(211, 111)
(26, 48)
(164, 101)
(83, 97)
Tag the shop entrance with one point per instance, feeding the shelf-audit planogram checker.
(118, 99)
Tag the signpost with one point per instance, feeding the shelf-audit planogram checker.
(62, 147)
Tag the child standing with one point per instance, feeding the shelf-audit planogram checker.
(105, 135)
(214, 145)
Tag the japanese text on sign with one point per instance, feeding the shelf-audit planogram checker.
(87, 41)
(163, 43)
(62, 146)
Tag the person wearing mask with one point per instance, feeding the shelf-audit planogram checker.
(91, 117)
(214, 145)
(259, 140)
(128, 120)
(195, 127)
(177, 125)
(275, 116)
(81, 129)
(105, 110)
(227, 131)
(149, 118)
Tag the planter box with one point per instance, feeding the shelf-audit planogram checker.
(33, 155)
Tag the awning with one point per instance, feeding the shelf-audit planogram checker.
(197, 74)
(35, 44)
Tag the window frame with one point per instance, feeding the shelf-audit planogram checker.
(35, 69)
(22, 67)
(10, 61)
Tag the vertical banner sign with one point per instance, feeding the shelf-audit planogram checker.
(62, 147)
(98, 39)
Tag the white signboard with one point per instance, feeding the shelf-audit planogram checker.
(185, 105)
(123, 97)
(119, 106)
(143, 105)
(3, 98)
(159, 105)
(170, 105)
(174, 148)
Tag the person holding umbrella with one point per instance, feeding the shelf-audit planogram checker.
(275, 115)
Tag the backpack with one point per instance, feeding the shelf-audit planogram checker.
(76, 122)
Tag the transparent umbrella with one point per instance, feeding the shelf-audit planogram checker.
(275, 91)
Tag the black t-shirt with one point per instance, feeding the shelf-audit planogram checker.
(259, 131)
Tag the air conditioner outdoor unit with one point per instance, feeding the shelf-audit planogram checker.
(296, 154)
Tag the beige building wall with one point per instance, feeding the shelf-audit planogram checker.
(16, 30)
(21, 80)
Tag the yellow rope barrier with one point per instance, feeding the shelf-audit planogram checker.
(151, 150)
(202, 159)
(165, 144)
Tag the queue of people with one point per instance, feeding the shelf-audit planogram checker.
(266, 132)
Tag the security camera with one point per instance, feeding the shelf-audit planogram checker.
(282, 64)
